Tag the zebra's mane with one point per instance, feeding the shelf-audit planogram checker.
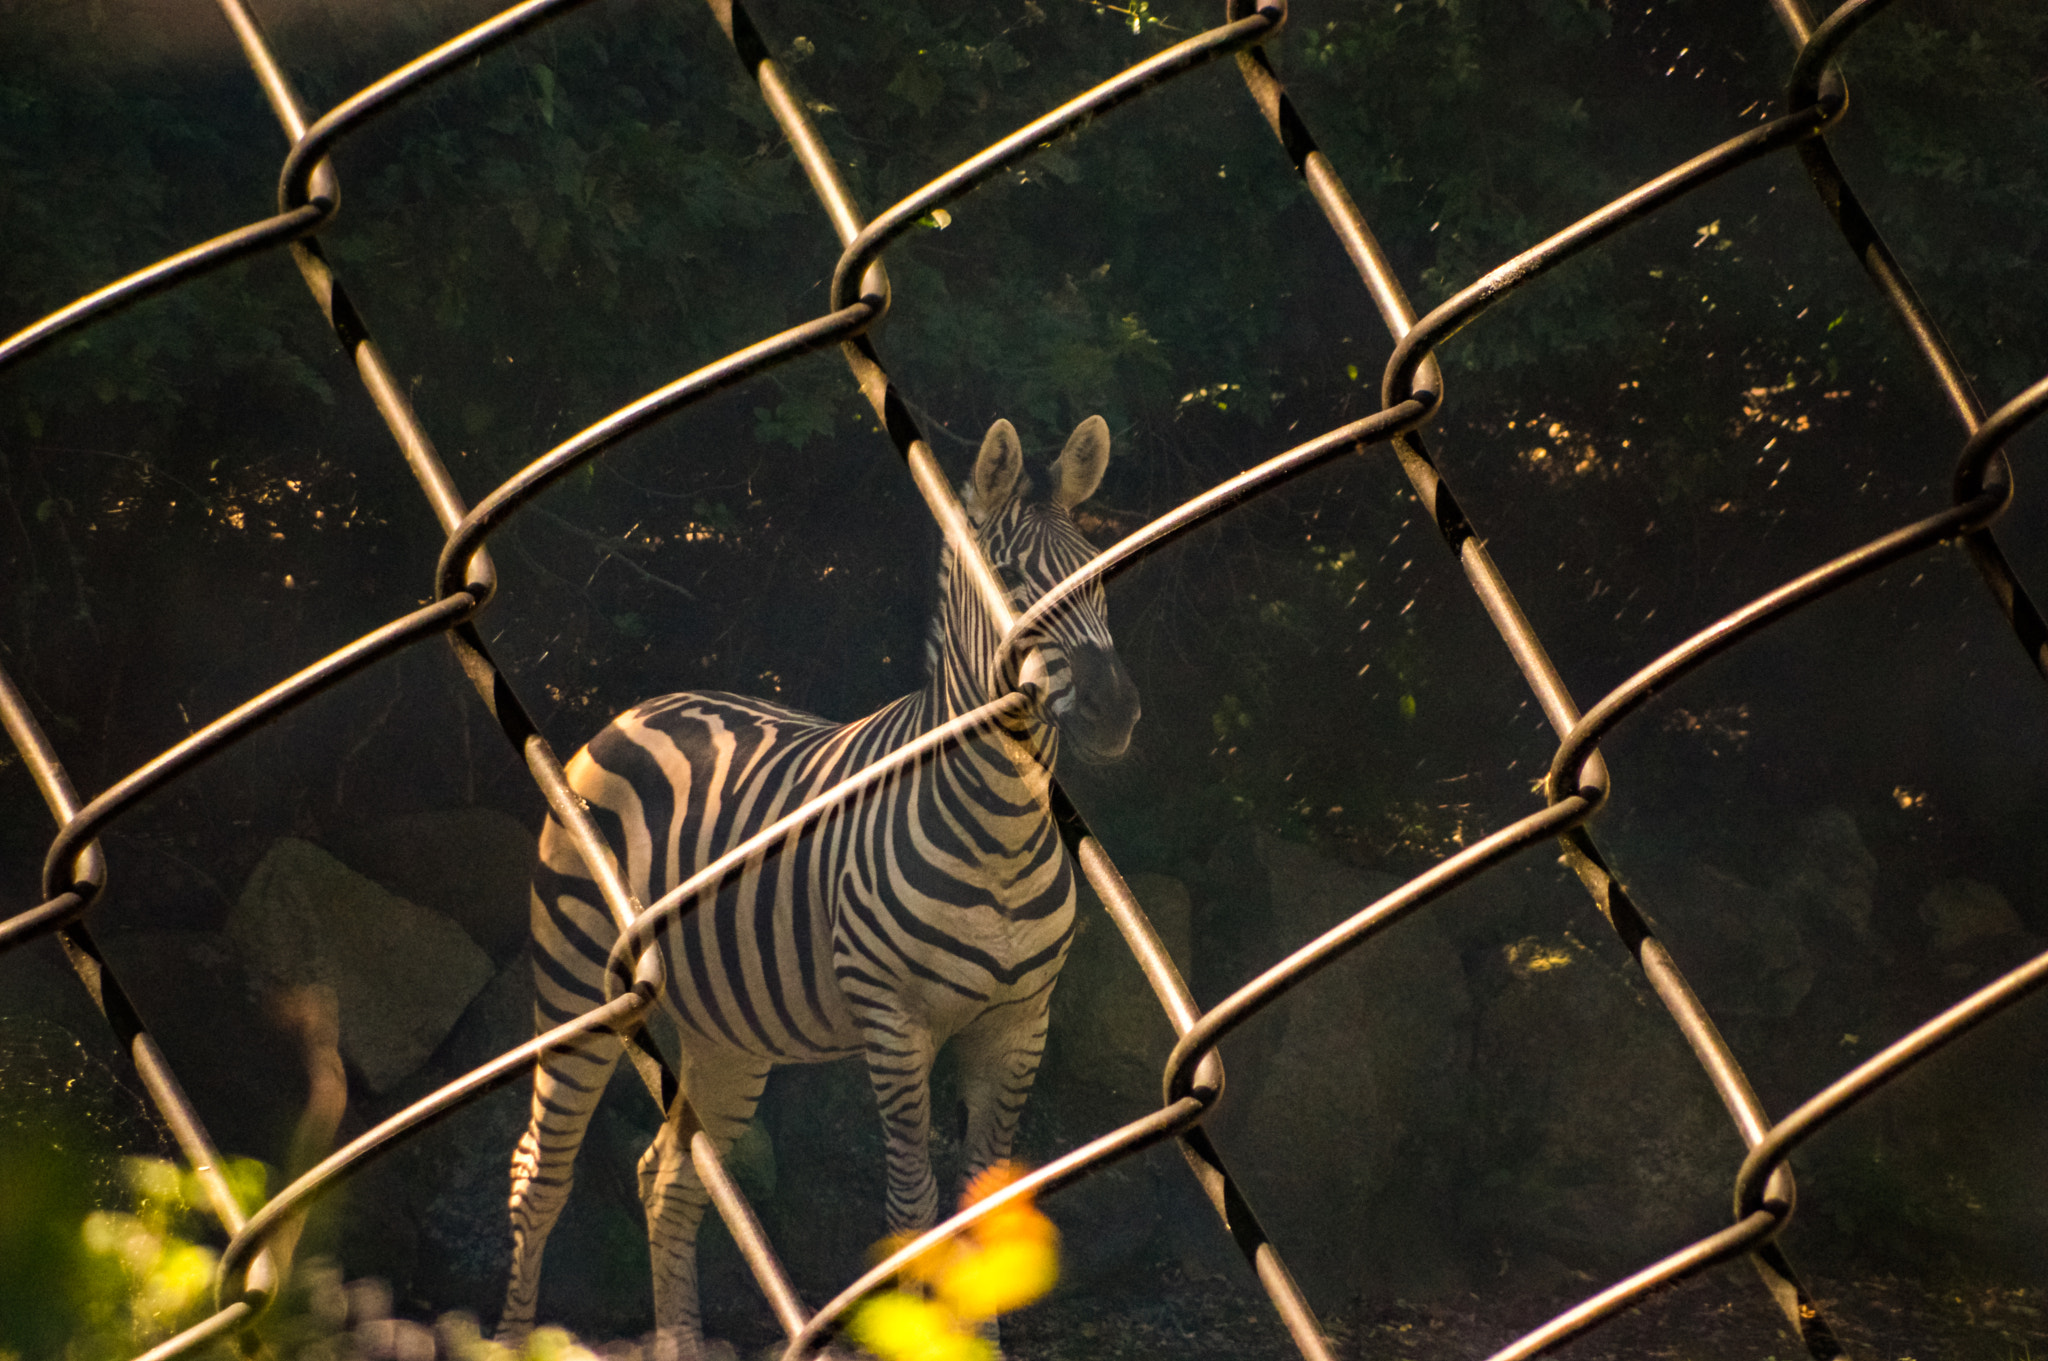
(988, 533)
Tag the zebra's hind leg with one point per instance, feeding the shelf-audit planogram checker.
(720, 1091)
(567, 1085)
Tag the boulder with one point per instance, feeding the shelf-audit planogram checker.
(1749, 943)
(1833, 874)
(1108, 1021)
(499, 1017)
(1107, 1045)
(1604, 1144)
(1167, 904)
(1741, 946)
(1344, 1097)
(403, 973)
(471, 864)
(1964, 913)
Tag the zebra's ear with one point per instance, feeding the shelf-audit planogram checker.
(997, 471)
(1078, 472)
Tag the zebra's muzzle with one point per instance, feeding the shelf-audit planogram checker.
(1101, 706)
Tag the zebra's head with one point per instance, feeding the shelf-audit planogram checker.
(1033, 542)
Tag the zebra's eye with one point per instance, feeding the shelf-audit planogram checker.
(1012, 579)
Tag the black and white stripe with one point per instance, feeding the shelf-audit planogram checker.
(936, 906)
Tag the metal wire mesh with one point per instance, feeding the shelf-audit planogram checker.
(1411, 394)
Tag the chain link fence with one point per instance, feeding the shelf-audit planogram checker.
(1412, 392)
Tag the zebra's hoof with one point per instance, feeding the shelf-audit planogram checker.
(677, 1347)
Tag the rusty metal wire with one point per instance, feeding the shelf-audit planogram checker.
(1412, 393)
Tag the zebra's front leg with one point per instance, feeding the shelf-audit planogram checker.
(899, 1056)
(999, 1055)
(720, 1091)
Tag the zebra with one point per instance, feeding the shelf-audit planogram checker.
(937, 905)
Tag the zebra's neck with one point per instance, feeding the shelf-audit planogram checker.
(1021, 749)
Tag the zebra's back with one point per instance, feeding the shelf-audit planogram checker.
(673, 783)
(921, 891)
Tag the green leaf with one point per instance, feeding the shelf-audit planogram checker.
(545, 78)
(795, 420)
(919, 85)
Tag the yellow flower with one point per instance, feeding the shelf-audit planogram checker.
(1003, 1262)
(900, 1326)
(1000, 1277)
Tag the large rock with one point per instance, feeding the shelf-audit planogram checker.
(1752, 949)
(471, 864)
(1106, 1048)
(1741, 946)
(1606, 1147)
(1833, 874)
(403, 973)
(1965, 914)
(1105, 1014)
(1343, 1099)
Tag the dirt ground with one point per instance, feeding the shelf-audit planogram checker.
(1722, 1317)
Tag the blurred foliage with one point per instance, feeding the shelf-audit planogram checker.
(141, 1280)
(64, 1121)
(125, 1280)
(101, 1251)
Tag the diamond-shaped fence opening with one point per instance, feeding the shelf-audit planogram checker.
(1527, 956)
